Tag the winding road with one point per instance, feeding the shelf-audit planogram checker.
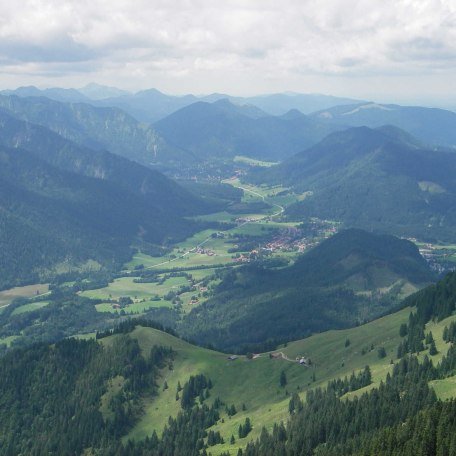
(280, 211)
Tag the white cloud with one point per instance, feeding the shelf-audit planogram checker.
(232, 45)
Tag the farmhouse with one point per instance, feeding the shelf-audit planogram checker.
(303, 361)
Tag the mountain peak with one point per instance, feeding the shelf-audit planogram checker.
(400, 135)
(96, 91)
(293, 114)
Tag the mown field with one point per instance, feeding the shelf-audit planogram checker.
(259, 225)
(253, 162)
(207, 250)
(125, 286)
(149, 295)
(28, 291)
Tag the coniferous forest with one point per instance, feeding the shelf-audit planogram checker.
(227, 228)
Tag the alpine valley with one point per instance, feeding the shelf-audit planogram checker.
(225, 275)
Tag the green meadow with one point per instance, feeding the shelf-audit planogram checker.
(27, 291)
(206, 250)
(30, 307)
(255, 383)
(253, 162)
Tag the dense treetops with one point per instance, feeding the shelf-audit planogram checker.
(373, 179)
(50, 396)
(61, 202)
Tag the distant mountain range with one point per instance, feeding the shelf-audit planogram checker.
(100, 92)
(55, 93)
(430, 125)
(224, 130)
(375, 179)
(169, 131)
(152, 105)
(336, 284)
(97, 128)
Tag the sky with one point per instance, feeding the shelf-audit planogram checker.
(383, 50)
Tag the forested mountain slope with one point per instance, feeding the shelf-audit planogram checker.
(224, 130)
(401, 417)
(67, 155)
(51, 216)
(126, 394)
(347, 279)
(97, 128)
(430, 125)
(62, 395)
(374, 179)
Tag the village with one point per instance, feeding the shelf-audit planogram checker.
(441, 259)
(289, 239)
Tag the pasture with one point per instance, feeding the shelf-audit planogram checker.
(255, 383)
(27, 291)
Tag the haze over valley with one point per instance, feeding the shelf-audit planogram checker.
(228, 230)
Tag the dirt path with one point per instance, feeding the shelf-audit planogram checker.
(279, 212)
(284, 356)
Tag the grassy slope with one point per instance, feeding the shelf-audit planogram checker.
(30, 307)
(7, 296)
(142, 294)
(220, 246)
(125, 286)
(256, 382)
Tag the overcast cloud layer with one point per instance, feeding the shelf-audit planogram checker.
(369, 48)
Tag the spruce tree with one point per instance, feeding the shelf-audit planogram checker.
(403, 330)
(445, 334)
(432, 349)
(429, 338)
(283, 379)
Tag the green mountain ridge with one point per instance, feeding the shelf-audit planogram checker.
(64, 204)
(373, 179)
(50, 216)
(99, 128)
(350, 278)
(100, 164)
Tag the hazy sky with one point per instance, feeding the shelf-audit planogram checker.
(379, 49)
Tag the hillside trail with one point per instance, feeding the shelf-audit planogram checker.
(280, 211)
(284, 356)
